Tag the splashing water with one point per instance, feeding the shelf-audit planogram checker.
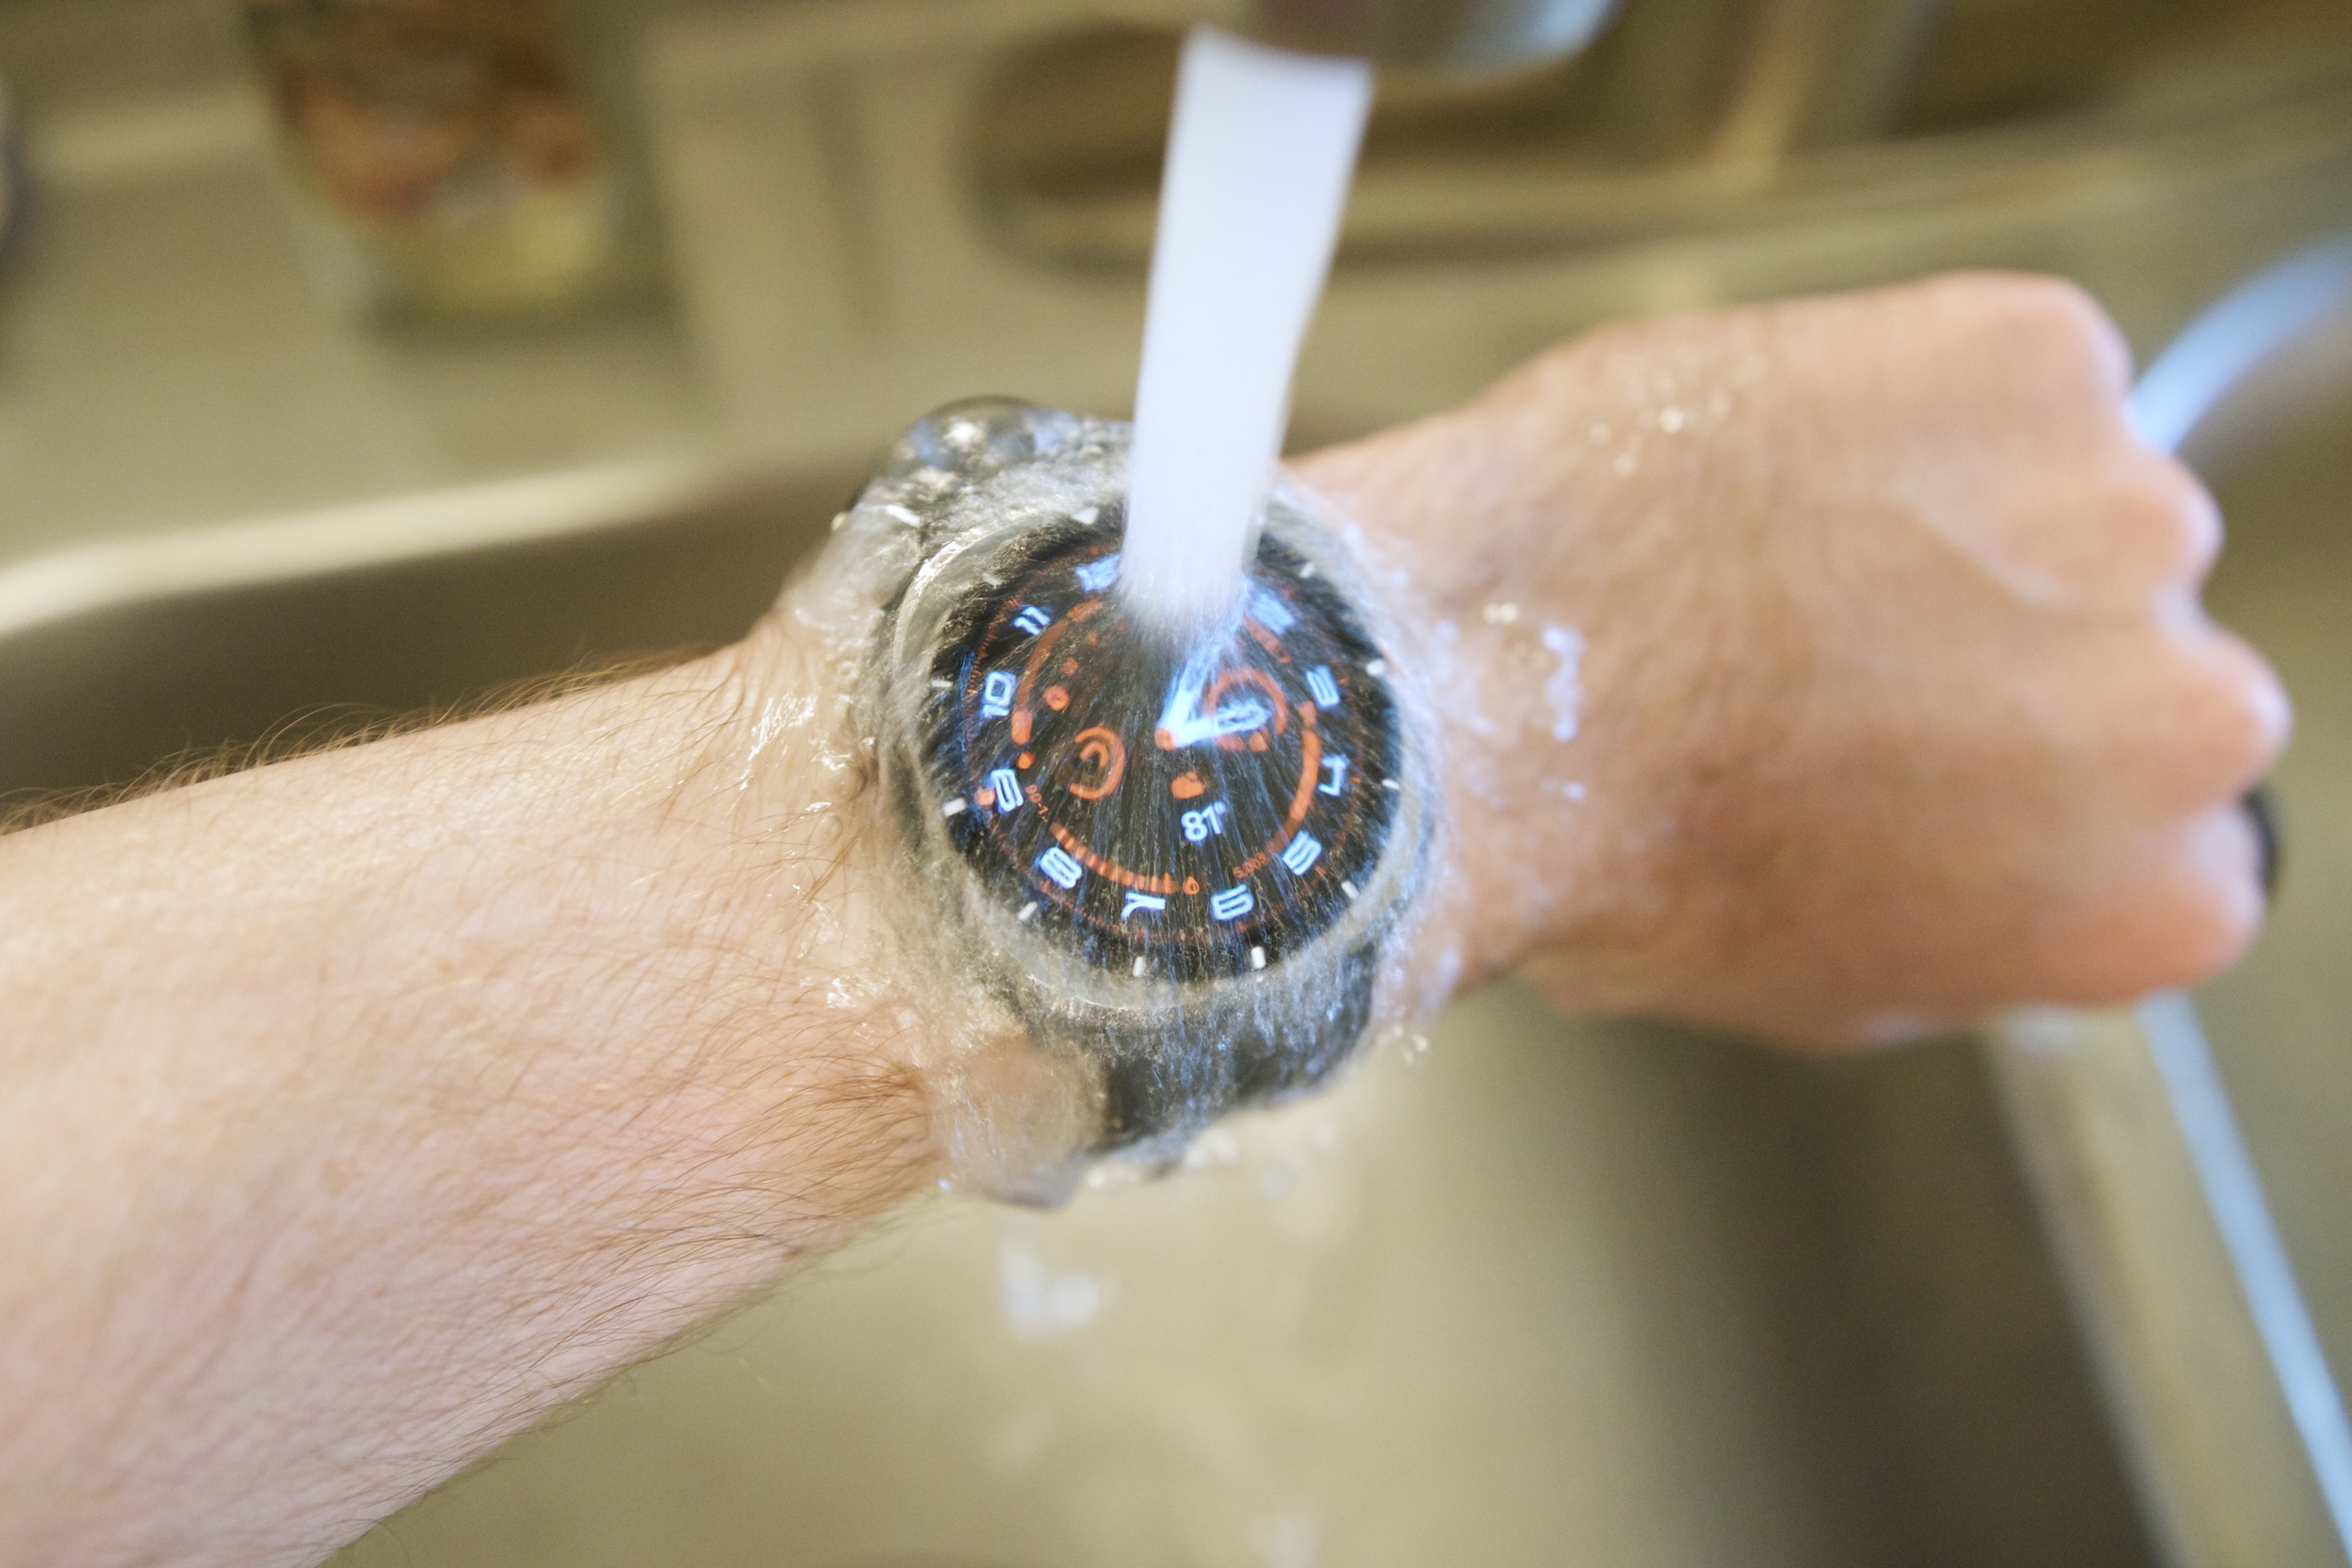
(1259, 156)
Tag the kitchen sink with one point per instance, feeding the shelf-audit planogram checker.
(1525, 1290)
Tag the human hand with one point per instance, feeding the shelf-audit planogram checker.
(1832, 671)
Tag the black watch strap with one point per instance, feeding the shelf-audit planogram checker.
(1251, 1044)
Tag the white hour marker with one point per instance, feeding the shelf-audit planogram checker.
(954, 808)
(1232, 903)
(1338, 783)
(1271, 613)
(996, 693)
(1057, 863)
(941, 683)
(1304, 851)
(1136, 901)
(1028, 912)
(1005, 785)
(1347, 887)
(1322, 688)
(1258, 958)
(1377, 667)
(1138, 966)
(1097, 575)
(1032, 620)
(1391, 783)
(1084, 517)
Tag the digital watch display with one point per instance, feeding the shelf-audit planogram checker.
(1181, 860)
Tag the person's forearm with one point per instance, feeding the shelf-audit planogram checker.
(355, 1111)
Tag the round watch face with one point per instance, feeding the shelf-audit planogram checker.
(1160, 814)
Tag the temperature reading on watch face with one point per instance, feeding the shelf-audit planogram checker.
(1183, 813)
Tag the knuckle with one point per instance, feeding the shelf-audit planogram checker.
(2185, 722)
(2250, 715)
(2222, 894)
(2163, 517)
(2192, 912)
(2223, 717)
(2060, 329)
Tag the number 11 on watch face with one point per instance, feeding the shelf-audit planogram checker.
(1184, 817)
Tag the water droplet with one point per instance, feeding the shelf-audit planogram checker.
(1565, 691)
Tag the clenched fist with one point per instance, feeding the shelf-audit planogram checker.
(1832, 671)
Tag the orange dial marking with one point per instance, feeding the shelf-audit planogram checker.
(1311, 763)
(1103, 750)
(1093, 862)
(1187, 787)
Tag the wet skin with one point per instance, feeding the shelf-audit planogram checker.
(1899, 703)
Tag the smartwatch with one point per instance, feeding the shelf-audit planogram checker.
(1185, 861)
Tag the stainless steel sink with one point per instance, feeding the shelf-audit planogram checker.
(1542, 1292)
(108, 693)
(1548, 1294)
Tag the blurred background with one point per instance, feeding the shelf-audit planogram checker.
(374, 352)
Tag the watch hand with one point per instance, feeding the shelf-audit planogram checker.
(1233, 720)
(1181, 722)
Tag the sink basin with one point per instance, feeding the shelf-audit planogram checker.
(1532, 1291)
(1543, 1293)
(139, 679)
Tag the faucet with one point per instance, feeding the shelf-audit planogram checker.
(1470, 37)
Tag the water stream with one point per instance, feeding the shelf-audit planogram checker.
(1259, 155)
